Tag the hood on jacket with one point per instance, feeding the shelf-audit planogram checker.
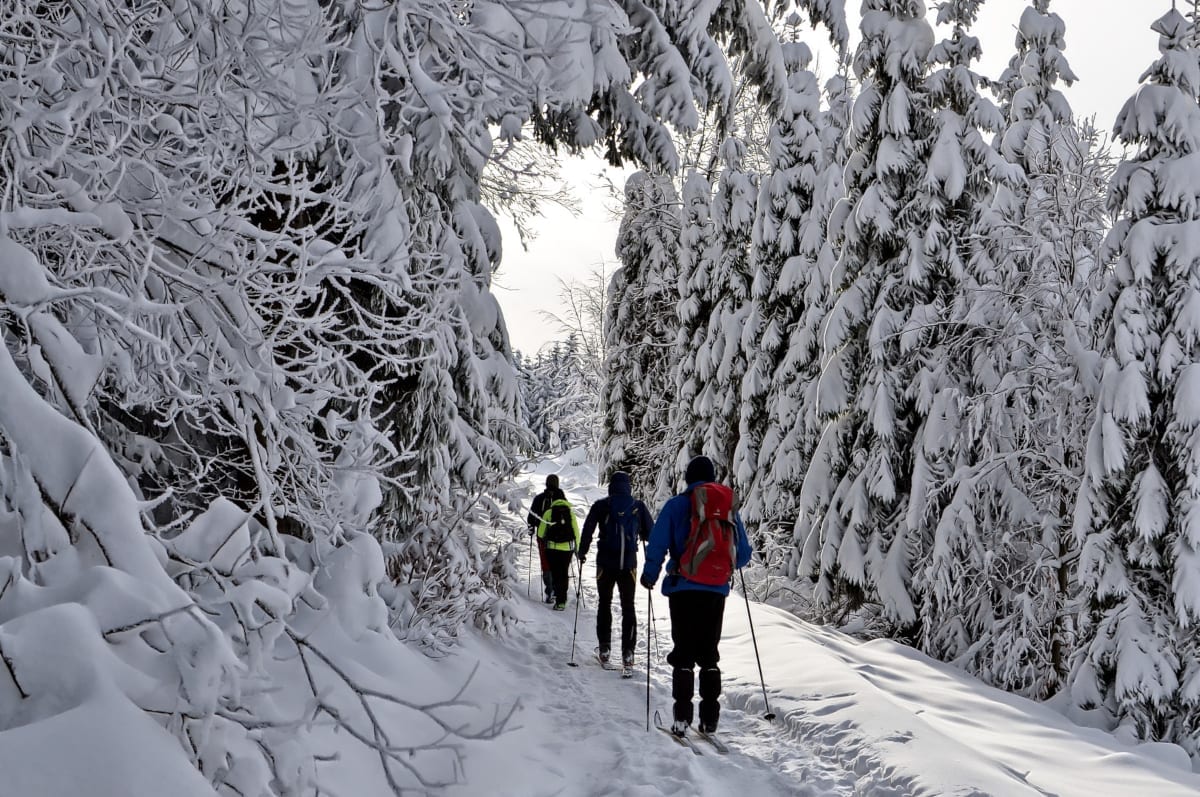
(619, 484)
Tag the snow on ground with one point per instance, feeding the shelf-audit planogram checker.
(854, 718)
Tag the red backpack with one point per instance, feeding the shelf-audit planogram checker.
(711, 549)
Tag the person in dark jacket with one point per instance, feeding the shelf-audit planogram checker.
(541, 502)
(697, 610)
(621, 520)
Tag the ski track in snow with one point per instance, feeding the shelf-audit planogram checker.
(583, 731)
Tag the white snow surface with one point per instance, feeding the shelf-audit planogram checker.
(853, 718)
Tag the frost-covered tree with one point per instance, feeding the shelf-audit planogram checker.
(559, 396)
(575, 410)
(585, 302)
(721, 360)
(416, 168)
(1139, 567)
(1004, 590)
(794, 424)
(788, 239)
(254, 335)
(962, 170)
(697, 260)
(183, 323)
(537, 394)
(639, 387)
(858, 482)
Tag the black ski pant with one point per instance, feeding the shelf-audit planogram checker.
(696, 617)
(560, 575)
(547, 580)
(626, 586)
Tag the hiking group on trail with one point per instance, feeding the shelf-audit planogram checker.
(703, 540)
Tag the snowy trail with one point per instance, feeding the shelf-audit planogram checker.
(583, 729)
(854, 717)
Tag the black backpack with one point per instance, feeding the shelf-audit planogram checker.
(559, 528)
(621, 527)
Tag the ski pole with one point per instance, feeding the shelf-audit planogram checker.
(650, 639)
(575, 630)
(770, 715)
(529, 583)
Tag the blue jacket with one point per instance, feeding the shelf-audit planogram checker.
(611, 551)
(670, 534)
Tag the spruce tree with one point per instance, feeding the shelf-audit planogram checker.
(863, 462)
(1136, 512)
(639, 386)
(1004, 586)
(798, 430)
(697, 260)
(962, 170)
(722, 359)
(788, 239)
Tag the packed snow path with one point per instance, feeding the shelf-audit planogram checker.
(582, 730)
(854, 718)
(587, 727)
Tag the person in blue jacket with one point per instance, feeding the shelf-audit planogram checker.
(622, 520)
(697, 610)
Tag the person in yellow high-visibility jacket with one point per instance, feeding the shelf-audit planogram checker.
(559, 530)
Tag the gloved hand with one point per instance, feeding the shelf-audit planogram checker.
(532, 531)
(581, 556)
(647, 582)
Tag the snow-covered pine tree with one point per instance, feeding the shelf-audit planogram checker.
(788, 238)
(558, 397)
(1138, 505)
(639, 384)
(798, 432)
(791, 263)
(858, 483)
(697, 259)
(675, 53)
(721, 361)
(962, 169)
(527, 384)
(575, 404)
(537, 393)
(1023, 432)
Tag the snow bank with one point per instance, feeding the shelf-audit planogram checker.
(924, 727)
(104, 747)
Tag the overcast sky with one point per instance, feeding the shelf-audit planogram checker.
(1109, 45)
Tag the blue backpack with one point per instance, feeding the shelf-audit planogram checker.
(619, 534)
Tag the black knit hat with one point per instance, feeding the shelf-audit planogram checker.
(552, 481)
(700, 469)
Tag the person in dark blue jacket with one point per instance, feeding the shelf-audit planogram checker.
(697, 610)
(622, 520)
